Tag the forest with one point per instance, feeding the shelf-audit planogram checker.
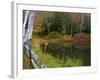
(61, 39)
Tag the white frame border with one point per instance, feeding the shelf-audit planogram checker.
(17, 70)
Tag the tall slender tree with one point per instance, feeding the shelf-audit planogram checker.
(81, 24)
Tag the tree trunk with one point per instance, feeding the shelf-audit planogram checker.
(28, 34)
(81, 25)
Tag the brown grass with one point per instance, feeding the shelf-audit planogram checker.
(26, 62)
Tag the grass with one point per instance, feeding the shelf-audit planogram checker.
(46, 58)
(26, 62)
(70, 62)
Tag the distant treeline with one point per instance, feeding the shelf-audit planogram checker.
(67, 23)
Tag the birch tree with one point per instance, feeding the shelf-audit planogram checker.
(81, 24)
(27, 32)
(28, 24)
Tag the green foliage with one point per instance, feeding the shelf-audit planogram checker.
(87, 24)
(47, 25)
(63, 23)
(52, 24)
(56, 23)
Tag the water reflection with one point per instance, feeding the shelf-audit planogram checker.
(64, 50)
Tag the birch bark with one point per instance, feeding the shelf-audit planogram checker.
(29, 18)
(81, 25)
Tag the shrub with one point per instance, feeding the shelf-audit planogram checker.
(54, 35)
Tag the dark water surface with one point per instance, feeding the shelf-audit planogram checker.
(64, 50)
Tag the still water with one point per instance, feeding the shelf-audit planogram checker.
(69, 50)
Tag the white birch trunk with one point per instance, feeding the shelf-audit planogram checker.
(25, 21)
(27, 34)
(81, 25)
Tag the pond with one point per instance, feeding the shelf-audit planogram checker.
(70, 54)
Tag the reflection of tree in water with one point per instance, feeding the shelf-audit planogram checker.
(63, 52)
